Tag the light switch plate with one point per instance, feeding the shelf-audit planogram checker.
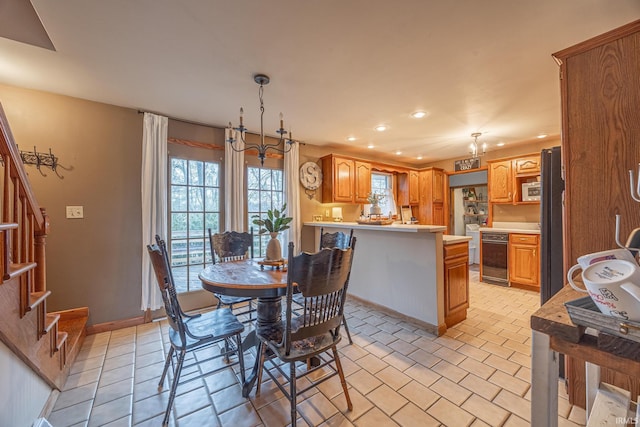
(75, 212)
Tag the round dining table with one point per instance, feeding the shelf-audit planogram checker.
(248, 278)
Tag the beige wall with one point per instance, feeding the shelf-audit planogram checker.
(94, 261)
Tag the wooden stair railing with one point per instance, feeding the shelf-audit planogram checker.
(24, 320)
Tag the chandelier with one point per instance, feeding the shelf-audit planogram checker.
(474, 146)
(263, 147)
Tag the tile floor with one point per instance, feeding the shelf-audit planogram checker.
(477, 374)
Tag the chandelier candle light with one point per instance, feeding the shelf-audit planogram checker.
(263, 147)
(474, 145)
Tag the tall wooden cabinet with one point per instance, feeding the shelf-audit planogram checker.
(600, 93)
(431, 183)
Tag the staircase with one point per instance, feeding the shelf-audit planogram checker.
(46, 342)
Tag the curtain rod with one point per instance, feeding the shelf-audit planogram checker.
(182, 120)
(203, 124)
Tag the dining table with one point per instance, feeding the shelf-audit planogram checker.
(250, 278)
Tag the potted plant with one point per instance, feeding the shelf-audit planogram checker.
(274, 223)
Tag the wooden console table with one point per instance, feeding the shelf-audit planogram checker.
(552, 332)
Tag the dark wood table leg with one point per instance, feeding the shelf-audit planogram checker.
(269, 320)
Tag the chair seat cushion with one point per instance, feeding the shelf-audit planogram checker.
(301, 349)
(211, 326)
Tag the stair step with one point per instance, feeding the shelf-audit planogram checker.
(16, 270)
(36, 298)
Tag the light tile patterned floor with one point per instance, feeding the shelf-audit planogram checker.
(477, 374)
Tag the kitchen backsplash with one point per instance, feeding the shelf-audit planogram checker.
(516, 213)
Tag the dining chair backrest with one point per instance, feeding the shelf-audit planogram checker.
(231, 245)
(164, 278)
(335, 240)
(322, 279)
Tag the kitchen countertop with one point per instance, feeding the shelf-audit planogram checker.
(510, 230)
(449, 239)
(407, 228)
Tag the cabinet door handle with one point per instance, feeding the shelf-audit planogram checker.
(534, 252)
(509, 195)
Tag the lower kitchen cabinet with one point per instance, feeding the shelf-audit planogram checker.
(524, 261)
(456, 282)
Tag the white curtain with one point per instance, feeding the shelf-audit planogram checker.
(233, 183)
(292, 195)
(154, 200)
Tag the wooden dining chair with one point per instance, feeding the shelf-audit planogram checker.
(188, 333)
(233, 246)
(337, 240)
(322, 279)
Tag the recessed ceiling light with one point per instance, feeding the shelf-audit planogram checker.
(418, 114)
(419, 157)
(542, 135)
(398, 153)
(500, 144)
(381, 128)
(370, 146)
(351, 138)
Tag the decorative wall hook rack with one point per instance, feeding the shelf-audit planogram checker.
(40, 159)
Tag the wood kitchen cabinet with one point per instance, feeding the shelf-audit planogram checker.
(345, 180)
(431, 196)
(456, 282)
(600, 96)
(524, 261)
(409, 188)
(500, 178)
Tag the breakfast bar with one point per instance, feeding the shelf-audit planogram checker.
(400, 267)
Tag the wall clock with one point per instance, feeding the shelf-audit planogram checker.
(310, 178)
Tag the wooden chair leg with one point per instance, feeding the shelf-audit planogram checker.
(346, 328)
(174, 386)
(240, 357)
(166, 368)
(343, 381)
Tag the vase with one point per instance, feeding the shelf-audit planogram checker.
(274, 250)
(375, 210)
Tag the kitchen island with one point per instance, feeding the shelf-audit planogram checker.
(401, 267)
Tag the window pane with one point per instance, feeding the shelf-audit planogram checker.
(178, 225)
(265, 201)
(178, 171)
(212, 221)
(196, 173)
(178, 252)
(211, 175)
(196, 197)
(196, 225)
(265, 179)
(253, 178)
(277, 180)
(178, 198)
(212, 199)
(253, 201)
(196, 251)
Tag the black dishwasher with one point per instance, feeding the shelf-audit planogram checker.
(494, 258)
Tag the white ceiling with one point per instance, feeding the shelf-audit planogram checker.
(338, 68)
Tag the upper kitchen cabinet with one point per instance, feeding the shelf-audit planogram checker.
(431, 196)
(345, 180)
(506, 176)
(362, 181)
(409, 188)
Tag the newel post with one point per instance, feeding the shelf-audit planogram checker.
(40, 236)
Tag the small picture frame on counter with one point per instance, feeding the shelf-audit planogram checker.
(317, 218)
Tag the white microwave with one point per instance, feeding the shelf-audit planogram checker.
(530, 191)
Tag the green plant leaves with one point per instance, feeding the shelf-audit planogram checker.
(274, 222)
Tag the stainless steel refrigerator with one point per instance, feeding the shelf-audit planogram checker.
(551, 234)
(551, 199)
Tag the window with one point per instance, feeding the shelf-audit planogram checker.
(264, 192)
(382, 183)
(194, 207)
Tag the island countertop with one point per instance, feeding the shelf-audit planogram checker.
(397, 227)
